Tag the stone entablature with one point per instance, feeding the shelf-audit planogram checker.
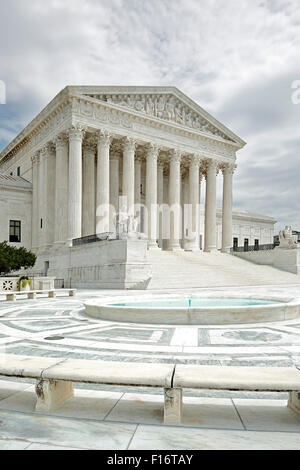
(71, 106)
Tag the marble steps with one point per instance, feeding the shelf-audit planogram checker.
(183, 269)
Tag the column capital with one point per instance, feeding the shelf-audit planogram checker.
(175, 155)
(104, 139)
(152, 151)
(76, 132)
(195, 162)
(88, 147)
(35, 159)
(228, 168)
(129, 144)
(60, 141)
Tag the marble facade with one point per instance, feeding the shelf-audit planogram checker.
(91, 145)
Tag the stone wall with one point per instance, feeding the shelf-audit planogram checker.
(116, 264)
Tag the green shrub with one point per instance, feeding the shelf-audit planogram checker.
(13, 259)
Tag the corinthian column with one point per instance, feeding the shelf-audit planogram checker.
(160, 201)
(174, 200)
(88, 190)
(114, 185)
(210, 207)
(61, 190)
(50, 194)
(102, 194)
(227, 242)
(193, 226)
(35, 201)
(151, 194)
(128, 174)
(42, 199)
(75, 183)
(137, 190)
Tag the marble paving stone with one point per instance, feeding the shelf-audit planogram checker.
(88, 404)
(267, 415)
(13, 444)
(198, 412)
(8, 388)
(23, 401)
(50, 447)
(65, 432)
(171, 438)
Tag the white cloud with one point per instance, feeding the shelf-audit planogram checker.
(236, 58)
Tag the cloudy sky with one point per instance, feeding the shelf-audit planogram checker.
(236, 58)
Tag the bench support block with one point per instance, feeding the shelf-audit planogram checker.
(32, 295)
(173, 405)
(11, 297)
(52, 294)
(294, 402)
(50, 393)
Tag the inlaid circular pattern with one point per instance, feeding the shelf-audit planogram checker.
(30, 327)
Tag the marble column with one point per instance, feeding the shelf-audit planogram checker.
(50, 176)
(102, 193)
(137, 190)
(41, 199)
(186, 211)
(35, 201)
(75, 183)
(61, 190)
(128, 174)
(227, 241)
(160, 201)
(114, 186)
(174, 200)
(88, 189)
(151, 194)
(193, 226)
(210, 207)
(199, 212)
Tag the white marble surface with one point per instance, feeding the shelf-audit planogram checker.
(170, 438)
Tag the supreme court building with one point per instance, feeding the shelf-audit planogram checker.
(101, 158)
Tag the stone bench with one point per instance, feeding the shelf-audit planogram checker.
(32, 294)
(255, 379)
(55, 377)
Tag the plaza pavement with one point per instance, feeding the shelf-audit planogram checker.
(104, 417)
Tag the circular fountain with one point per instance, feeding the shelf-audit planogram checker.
(194, 309)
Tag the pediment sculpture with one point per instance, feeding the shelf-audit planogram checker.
(165, 106)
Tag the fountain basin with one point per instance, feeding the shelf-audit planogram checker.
(194, 309)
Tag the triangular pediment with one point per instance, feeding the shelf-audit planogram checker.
(164, 103)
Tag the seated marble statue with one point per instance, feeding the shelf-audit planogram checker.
(287, 239)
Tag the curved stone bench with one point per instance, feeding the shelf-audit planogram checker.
(32, 294)
(55, 377)
(255, 379)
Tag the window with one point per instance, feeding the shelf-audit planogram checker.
(15, 231)
(256, 244)
(235, 242)
(19, 171)
(246, 244)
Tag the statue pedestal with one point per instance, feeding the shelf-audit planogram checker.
(287, 259)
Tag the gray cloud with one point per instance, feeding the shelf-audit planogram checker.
(237, 59)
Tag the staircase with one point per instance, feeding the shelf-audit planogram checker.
(180, 269)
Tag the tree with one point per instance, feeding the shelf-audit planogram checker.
(13, 259)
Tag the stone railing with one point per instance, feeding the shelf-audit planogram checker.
(10, 284)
